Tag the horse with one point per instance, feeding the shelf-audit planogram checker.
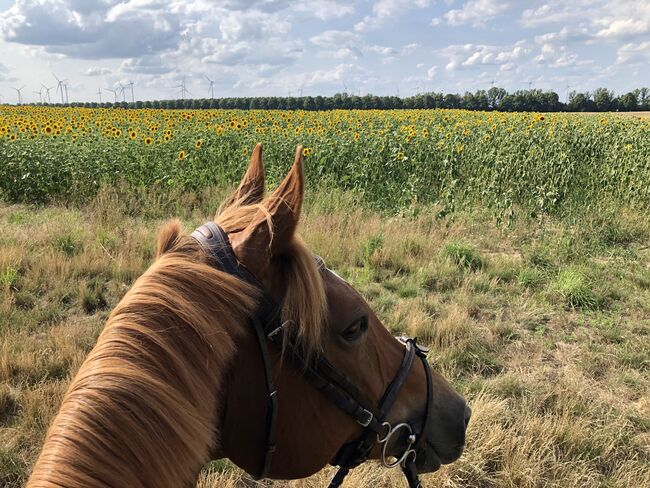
(237, 342)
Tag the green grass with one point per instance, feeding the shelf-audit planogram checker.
(463, 255)
(576, 290)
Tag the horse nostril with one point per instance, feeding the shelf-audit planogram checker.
(468, 415)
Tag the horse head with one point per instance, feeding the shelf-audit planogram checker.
(331, 323)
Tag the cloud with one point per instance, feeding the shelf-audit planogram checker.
(432, 72)
(384, 10)
(470, 55)
(335, 38)
(599, 19)
(625, 28)
(5, 75)
(151, 65)
(556, 57)
(97, 71)
(325, 9)
(477, 12)
(634, 53)
(96, 30)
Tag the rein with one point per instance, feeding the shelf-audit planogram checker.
(320, 373)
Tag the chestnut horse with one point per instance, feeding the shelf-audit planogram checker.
(176, 377)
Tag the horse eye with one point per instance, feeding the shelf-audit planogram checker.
(355, 330)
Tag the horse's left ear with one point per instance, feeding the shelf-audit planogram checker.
(251, 188)
(271, 231)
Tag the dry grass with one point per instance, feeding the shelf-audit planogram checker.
(559, 388)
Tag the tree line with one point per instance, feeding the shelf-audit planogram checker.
(600, 100)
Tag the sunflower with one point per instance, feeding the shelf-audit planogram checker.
(307, 151)
(133, 134)
(148, 141)
(198, 143)
(181, 155)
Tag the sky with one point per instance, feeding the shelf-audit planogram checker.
(319, 47)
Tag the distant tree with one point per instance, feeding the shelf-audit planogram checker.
(628, 102)
(580, 102)
(643, 98)
(604, 100)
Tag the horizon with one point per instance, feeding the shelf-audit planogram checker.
(275, 48)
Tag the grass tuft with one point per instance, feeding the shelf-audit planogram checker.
(576, 290)
(463, 255)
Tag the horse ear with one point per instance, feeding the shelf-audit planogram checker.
(271, 231)
(251, 188)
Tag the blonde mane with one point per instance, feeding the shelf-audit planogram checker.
(143, 408)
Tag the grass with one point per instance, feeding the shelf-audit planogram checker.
(545, 332)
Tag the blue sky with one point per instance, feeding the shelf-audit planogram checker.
(320, 47)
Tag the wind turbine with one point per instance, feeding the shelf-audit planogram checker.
(211, 86)
(114, 94)
(59, 86)
(100, 95)
(40, 94)
(122, 87)
(183, 89)
(20, 96)
(65, 85)
(47, 91)
(130, 85)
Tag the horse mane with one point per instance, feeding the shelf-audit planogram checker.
(144, 404)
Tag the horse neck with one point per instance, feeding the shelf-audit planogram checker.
(142, 409)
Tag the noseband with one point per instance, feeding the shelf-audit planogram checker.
(320, 373)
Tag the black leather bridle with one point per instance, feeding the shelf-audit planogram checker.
(269, 327)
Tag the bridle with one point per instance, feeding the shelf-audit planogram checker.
(269, 327)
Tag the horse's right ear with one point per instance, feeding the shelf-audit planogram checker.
(271, 230)
(251, 188)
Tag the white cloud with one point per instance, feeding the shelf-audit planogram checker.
(383, 10)
(432, 72)
(556, 57)
(634, 53)
(625, 28)
(152, 65)
(97, 71)
(334, 38)
(592, 19)
(325, 9)
(469, 55)
(477, 12)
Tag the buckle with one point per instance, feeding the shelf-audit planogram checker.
(365, 417)
(271, 335)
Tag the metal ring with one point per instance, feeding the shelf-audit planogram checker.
(407, 452)
(388, 430)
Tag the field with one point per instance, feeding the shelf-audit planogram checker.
(523, 260)
(541, 163)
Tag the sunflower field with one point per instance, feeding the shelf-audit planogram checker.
(536, 163)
